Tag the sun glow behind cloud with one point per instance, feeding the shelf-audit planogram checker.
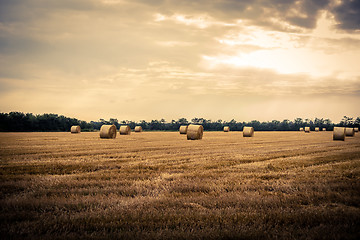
(200, 21)
(287, 53)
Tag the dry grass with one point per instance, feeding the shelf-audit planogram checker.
(285, 185)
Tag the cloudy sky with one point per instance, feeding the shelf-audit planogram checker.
(152, 59)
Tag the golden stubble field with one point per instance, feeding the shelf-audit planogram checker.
(158, 185)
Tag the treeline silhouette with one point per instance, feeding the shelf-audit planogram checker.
(28, 122)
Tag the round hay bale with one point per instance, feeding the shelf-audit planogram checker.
(183, 129)
(125, 130)
(349, 132)
(317, 129)
(324, 129)
(339, 133)
(301, 129)
(108, 131)
(356, 129)
(226, 129)
(138, 129)
(194, 132)
(307, 129)
(75, 129)
(248, 132)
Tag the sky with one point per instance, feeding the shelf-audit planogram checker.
(151, 59)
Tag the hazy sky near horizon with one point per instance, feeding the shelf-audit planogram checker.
(152, 59)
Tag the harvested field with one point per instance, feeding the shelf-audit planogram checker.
(159, 185)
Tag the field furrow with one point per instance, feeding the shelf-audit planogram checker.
(158, 185)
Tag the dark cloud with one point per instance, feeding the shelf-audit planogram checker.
(348, 14)
(24, 11)
(298, 13)
(260, 12)
(19, 45)
(310, 9)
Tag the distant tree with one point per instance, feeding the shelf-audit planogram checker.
(143, 124)
(154, 125)
(96, 125)
(275, 125)
(197, 120)
(183, 121)
(18, 121)
(327, 122)
(347, 121)
(132, 124)
(113, 120)
(233, 125)
(298, 122)
(255, 124)
(285, 125)
(357, 122)
(103, 121)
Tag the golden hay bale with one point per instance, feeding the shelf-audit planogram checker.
(248, 131)
(339, 133)
(138, 129)
(356, 129)
(324, 129)
(301, 129)
(349, 132)
(108, 131)
(75, 129)
(125, 130)
(183, 129)
(226, 129)
(317, 129)
(307, 129)
(195, 132)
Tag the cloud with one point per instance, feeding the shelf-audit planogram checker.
(259, 12)
(285, 15)
(347, 13)
(157, 56)
(164, 90)
(262, 13)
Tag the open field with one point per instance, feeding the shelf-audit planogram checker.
(158, 185)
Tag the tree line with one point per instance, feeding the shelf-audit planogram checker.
(28, 122)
